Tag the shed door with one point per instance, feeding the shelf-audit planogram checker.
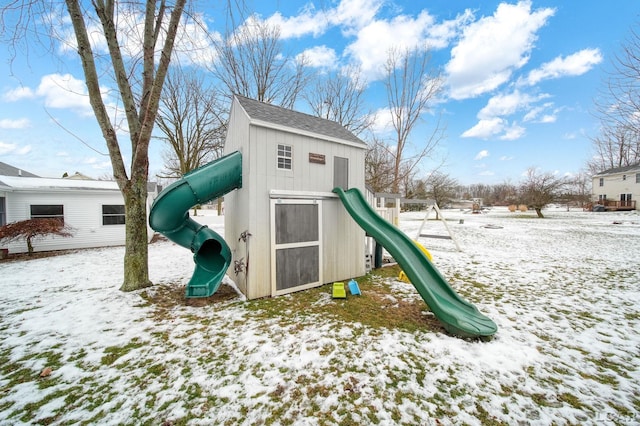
(296, 251)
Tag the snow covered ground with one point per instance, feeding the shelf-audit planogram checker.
(563, 290)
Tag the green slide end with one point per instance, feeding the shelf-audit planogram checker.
(170, 216)
(458, 316)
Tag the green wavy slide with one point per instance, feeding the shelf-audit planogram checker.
(170, 216)
(458, 316)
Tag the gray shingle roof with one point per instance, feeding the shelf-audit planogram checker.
(620, 170)
(8, 170)
(295, 120)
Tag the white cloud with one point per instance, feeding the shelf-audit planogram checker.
(573, 65)
(97, 164)
(482, 154)
(321, 57)
(382, 121)
(505, 158)
(373, 37)
(513, 132)
(7, 123)
(355, 14)
(504, 105)
(491, 48)
(309, 21)
(24, 150)
(6, 148)
(373, 42)
(492, 118)
(351, 15)
(11, 148)
(18, 93)
(484, 129)
(64, 91)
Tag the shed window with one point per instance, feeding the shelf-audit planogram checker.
(3, 214)
(284, 157)
(637, 177)
(47, 211)
(601, 181)
(341, 172)
(624, 177)
(113, 214)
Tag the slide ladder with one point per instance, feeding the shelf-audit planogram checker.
(170, 216)
(458, 316)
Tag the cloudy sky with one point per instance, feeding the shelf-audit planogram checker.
(521, 80)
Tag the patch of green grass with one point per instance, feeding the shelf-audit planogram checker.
(112, 353)
(606, 362)
(572, 399)
(373, 308)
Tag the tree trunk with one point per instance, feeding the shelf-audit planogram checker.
(136, 268)
(539, 212)
(29, 246)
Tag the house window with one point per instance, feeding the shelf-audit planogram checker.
(113, 214)
(284, 157)
(601, 181)
(47, 211)
(3, 214)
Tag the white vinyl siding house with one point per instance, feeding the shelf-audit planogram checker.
(300, 234)
(617, 188)
(93, 209)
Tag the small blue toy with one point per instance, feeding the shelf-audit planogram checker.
(354, 288)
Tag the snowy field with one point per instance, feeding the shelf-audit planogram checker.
(564, 292)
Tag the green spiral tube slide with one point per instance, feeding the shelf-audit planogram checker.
(170, 216)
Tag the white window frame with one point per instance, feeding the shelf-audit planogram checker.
(109, 215)
(284, 157)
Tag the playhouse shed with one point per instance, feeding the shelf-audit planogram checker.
(286, 229)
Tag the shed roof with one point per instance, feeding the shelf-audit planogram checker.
(9, 170)
(616, 170)
(274, 114)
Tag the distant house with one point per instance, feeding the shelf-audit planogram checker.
(617, 188)
(93, 208)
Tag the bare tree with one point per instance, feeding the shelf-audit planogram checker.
(251, 63)
(340, 98)
(539, 189)
(193, 121)
(441, 187)
(139, 71)
(618, 144)
(411, 88)
(378, 164)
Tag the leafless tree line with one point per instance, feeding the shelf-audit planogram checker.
(618, 111)
(250, 61)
